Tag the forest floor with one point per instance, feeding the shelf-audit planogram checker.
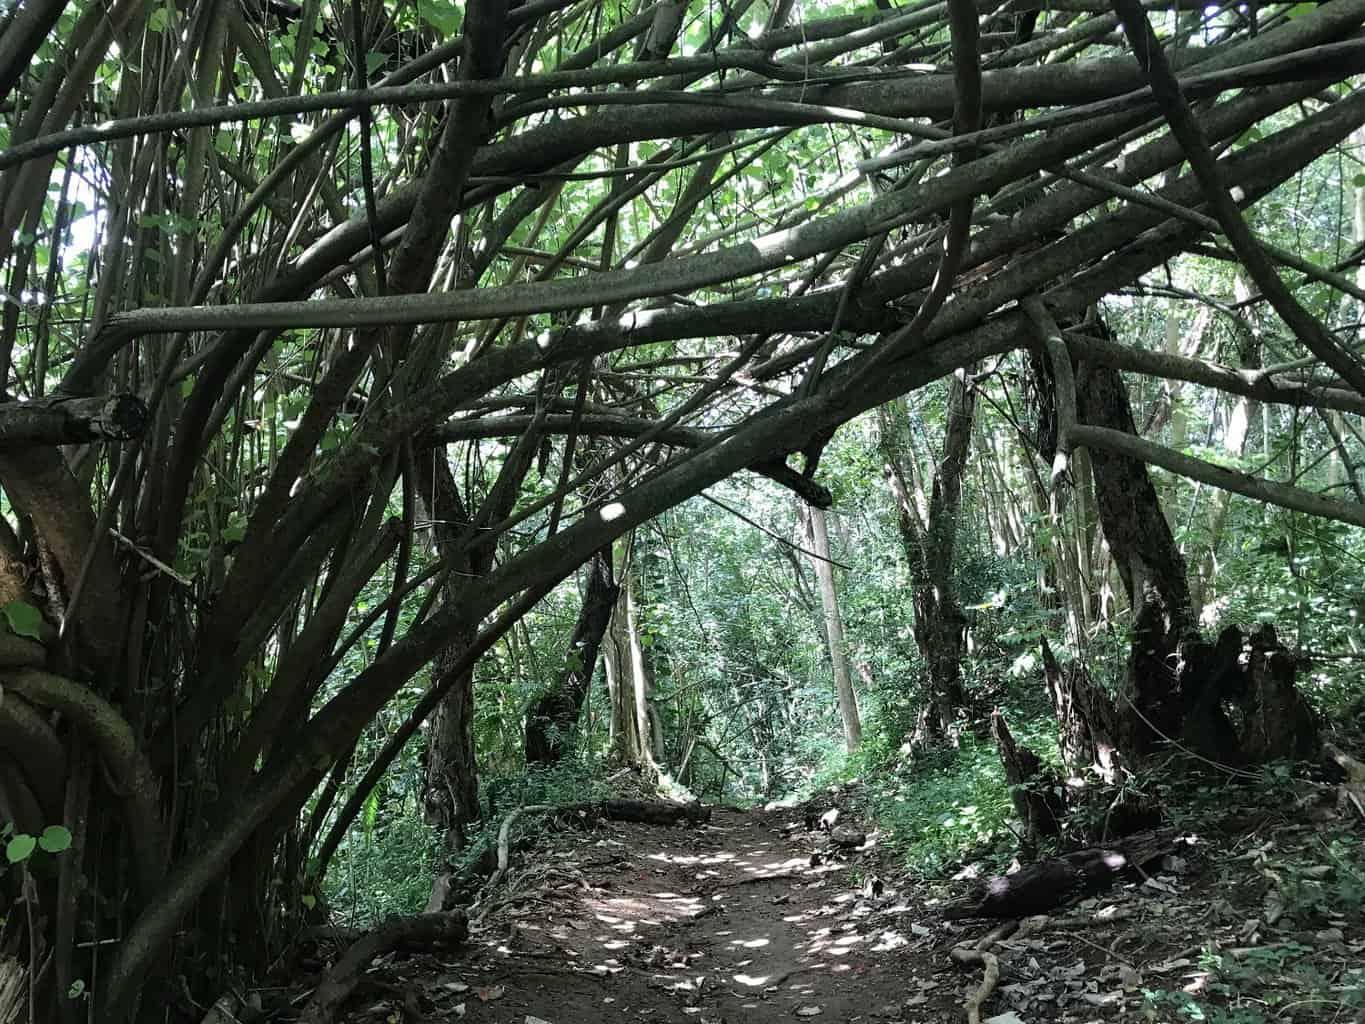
(730, 922)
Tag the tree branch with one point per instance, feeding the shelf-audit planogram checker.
(61, 419)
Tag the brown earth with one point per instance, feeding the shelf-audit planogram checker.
(724, 922)
(730, 922)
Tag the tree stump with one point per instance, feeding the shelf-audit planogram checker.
(1035, 791)
(1278, 724)
(1085, 717)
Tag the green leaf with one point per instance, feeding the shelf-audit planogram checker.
(374, 61)
(371, 812)
(77, 989)
(55, 839)
(1358, 181)
(156, 21)
(23, 619)
(444, 17)
(20, 847)
(308, 900)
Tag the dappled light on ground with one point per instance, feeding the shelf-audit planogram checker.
(734, 921)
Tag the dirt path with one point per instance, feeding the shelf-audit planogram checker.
(727, 922)
(730, 923)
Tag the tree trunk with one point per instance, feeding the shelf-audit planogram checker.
(817, 532)
(1178, 684)
(1148, 561)
(940, 625)
(552, 717)
(452, 780)
(1278, 724)
(451, 784)
(623, 657)
(1235, 436)
(1086, 720)
(642, 676)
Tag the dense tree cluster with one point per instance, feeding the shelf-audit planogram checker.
(335, 337)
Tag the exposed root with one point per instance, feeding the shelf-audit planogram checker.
(645, 811)
(422, 930)
(980, 954)
(224, 1011)
(504, 836)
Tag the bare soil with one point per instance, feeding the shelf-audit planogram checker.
(730, 922)
(723, 922)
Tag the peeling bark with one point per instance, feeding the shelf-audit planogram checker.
(817, 533)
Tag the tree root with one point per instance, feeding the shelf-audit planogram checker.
(423, 930)
(980, 954)
(504, 836)
(646, 811)
(224, 1011)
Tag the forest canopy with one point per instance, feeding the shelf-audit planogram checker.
(832, 373)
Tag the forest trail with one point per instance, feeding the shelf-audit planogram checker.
(731, 923)
(724, 922)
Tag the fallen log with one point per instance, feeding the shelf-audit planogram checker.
(647, 812)
(422, 931)
(1040, 887)
(847, 838)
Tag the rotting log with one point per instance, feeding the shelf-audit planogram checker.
(645, 812)
(847, 838)
(1050, 883)
(421, 931)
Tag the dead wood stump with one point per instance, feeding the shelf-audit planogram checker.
(1086, 719)
(1035, 790)
(1278, 722)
